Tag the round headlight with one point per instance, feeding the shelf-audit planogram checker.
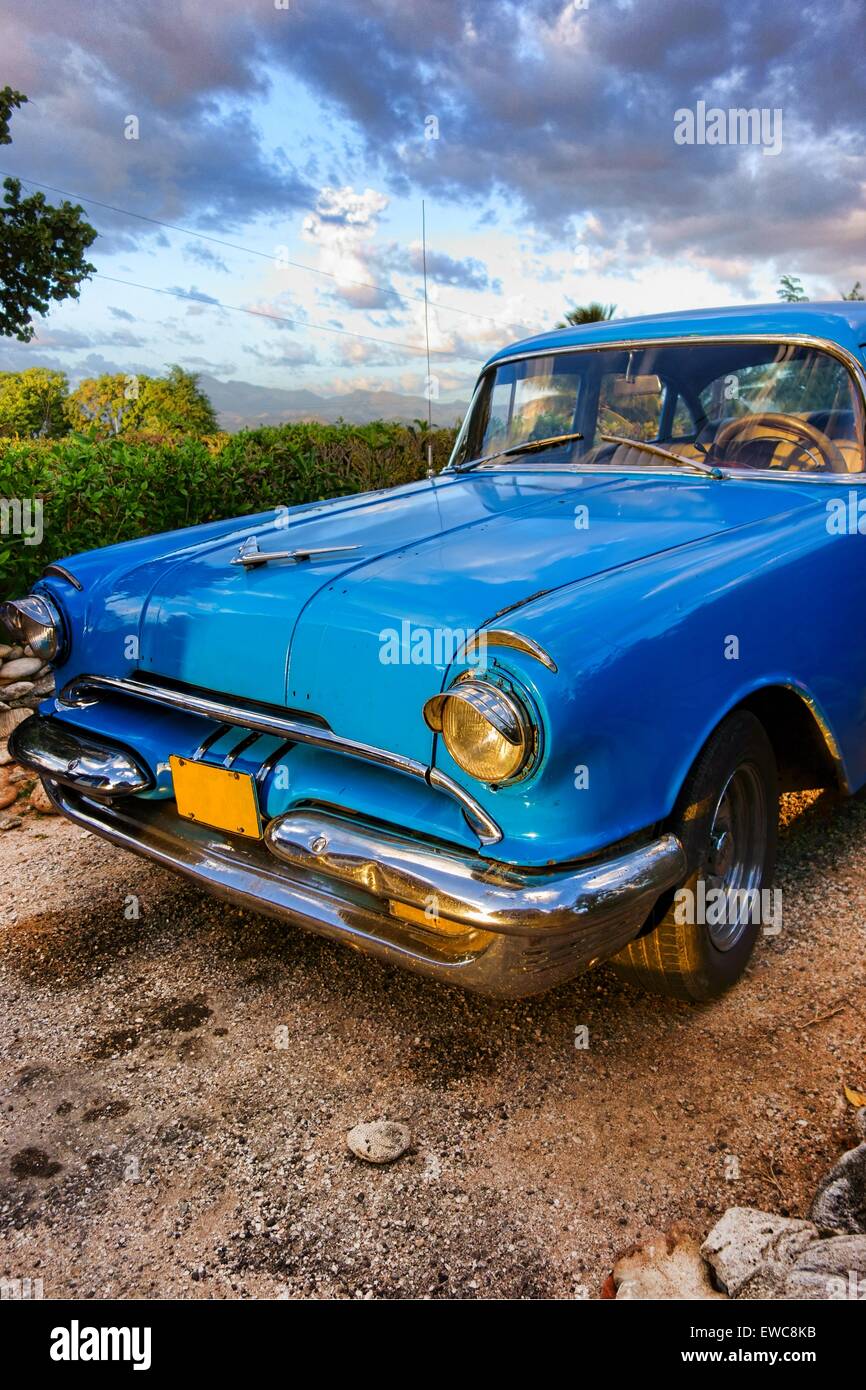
(487, 731)
(36, 623)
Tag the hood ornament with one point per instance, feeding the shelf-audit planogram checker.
(251, 557)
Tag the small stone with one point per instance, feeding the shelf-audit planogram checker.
(17, 690)
(44, 685)
(8, 797)
(746, 1239)
(19, 669)
(859, 1114)
(666, 1267)
(10, 823)
(10, 719)
(840, 1202)
(830, 1269)
(5, 755)
(4, 651)
(40, 801)
(380, 1141)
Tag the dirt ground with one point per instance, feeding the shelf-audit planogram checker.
(176, 1092)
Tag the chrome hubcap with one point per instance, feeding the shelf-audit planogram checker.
(738, 845)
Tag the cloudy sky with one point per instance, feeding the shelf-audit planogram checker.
(540, 133)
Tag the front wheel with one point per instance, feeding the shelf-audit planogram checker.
(727, 818)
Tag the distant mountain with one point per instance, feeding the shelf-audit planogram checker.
(241, 405)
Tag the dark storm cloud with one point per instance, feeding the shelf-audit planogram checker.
(186, 72)
(572, 112)
(567, 111)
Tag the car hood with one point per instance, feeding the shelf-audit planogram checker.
(363, 636)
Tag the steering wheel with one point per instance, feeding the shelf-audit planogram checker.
(788, 429)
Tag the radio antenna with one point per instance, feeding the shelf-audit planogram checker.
(429, 392)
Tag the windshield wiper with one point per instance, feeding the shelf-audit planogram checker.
(709, 469)
(528, 446)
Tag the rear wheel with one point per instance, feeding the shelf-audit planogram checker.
(727, 818)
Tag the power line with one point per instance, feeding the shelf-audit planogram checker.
(209, 302)
(252, 250)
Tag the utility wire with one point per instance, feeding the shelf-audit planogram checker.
(209, 302)
(251, 250)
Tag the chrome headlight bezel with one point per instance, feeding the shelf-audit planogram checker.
(502, 708)
(37, 623)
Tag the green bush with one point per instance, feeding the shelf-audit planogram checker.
(96, 493)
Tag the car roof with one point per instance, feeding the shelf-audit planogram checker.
(841, 321)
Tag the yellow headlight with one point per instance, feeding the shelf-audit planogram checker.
(486, 730)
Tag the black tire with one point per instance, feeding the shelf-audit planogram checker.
(735, 771)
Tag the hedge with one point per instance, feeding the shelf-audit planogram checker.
(95, 493)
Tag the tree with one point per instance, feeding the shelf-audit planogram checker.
(41, 247)
(116, 404)
(176, 404)
(587, 313)
(791, 290)
(107, 405)
(855, 293)
(33, 402)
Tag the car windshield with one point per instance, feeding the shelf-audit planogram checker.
(740, 406)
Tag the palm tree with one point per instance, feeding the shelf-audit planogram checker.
(587, 313)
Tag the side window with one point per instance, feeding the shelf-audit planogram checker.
(683, 425)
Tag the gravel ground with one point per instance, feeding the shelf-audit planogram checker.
(177, 1089)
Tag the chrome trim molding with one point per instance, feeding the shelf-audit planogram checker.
(75, 695)
(63, 573)
(54, 751)
(530, 945)
(505, 637)
(849, 360)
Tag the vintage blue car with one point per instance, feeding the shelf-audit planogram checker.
(521, 717)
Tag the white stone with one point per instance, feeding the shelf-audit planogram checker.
(19, 669)
(10, 719)
(380, 1141)
(17, 690)
(664, 1268)
(746, 1239)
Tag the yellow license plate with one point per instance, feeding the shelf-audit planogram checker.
(216, 796)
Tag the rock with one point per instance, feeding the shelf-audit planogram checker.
(17, 690)
(44, 685)
(5, 755)
(11, 653)
(667, 1267)
(380, 1141)
(840, 1202)
(10, 719)
(830, 1269)
(4, 651)
(19, 669)
(859, 1113)
(40, 801)
(8, 797)
(10, 823)
(746, 1239)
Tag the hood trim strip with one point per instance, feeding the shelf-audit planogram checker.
(79, 692)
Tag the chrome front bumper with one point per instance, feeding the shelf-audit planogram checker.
(446, 913)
